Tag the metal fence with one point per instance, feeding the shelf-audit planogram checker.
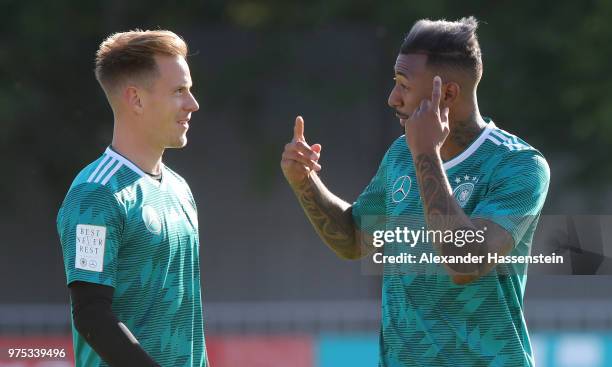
(311, 316)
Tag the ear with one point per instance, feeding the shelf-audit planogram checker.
(133, 99)
(450, 93)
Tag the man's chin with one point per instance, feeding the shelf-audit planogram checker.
(181, 143)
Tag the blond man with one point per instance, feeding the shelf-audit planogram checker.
(128, 225)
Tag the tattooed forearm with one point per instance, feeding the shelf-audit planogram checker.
(442, 211)
(438, 203)
(330, 216)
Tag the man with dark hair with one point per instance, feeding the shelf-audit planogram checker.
(128, 225)
(452, 173)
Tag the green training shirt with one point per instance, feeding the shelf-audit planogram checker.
(121, 228)
(427, 320)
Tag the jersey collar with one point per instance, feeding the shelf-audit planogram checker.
(471, 149)
(125, 161)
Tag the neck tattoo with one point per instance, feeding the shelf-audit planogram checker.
(464, 132)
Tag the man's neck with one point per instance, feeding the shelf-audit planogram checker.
(462, 133)
(147, 158)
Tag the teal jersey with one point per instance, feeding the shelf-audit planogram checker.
(121, 228)
(427, 320)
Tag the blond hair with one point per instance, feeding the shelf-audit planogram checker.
(130, 56)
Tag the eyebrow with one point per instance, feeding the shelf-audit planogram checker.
(401, 74)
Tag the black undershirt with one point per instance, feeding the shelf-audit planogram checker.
(95, 321)
(157, 177)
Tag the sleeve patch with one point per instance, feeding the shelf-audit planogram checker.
(90, 241)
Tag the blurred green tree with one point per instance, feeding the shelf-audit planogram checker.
(545, 63)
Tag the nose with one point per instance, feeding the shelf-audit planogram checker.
(193, 104)
(394, 100)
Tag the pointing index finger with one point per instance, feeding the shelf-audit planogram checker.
(298, 129)
(436, 94)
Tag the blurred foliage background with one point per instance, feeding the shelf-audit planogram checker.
(255, 65)
(546, 69)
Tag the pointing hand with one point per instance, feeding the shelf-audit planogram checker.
(299, 159)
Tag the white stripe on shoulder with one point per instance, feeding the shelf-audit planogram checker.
(517, 146)
(472, 148)
(91, 177)
(112, 172)
(499, 135)
(125, 162)
(109, 165)
(495, 141)
(508, 140)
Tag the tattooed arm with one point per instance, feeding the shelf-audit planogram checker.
(330, 216)
(426, 131)
(443, 213)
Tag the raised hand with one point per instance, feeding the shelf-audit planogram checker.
(299, 159)
(427, 127)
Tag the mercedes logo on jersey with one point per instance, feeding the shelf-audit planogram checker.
(401, 188)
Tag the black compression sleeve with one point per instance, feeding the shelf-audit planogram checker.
(95, 321)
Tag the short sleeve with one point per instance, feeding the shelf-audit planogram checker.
(90, 226)
(516, 193)
(370, 206)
